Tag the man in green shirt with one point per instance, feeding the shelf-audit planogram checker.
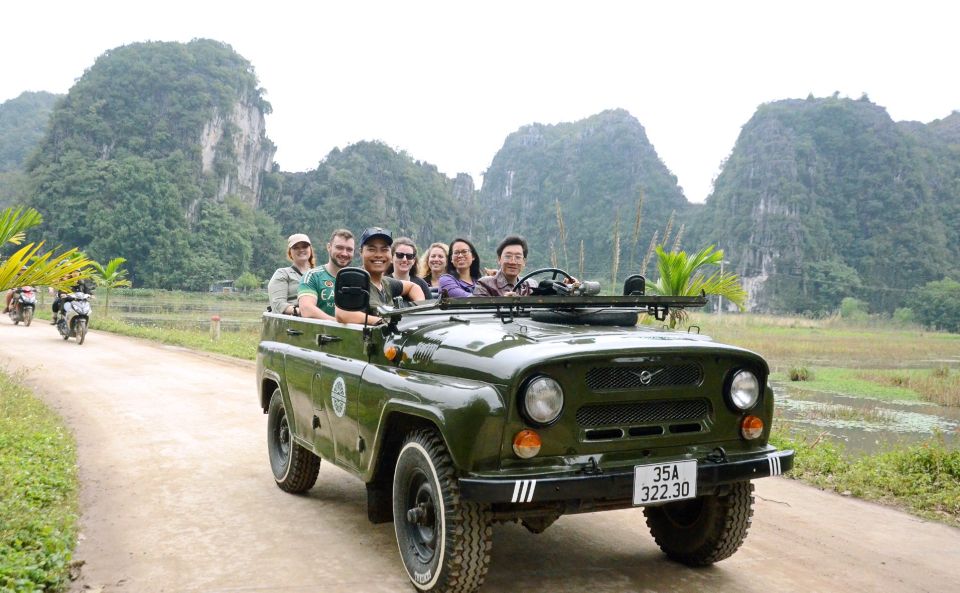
(315, 295)
(375, 253)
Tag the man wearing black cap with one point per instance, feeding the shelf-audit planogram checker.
(375, 253)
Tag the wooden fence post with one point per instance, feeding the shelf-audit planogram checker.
(215, 328)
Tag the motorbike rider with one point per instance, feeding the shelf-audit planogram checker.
(82, 285)
(11, 292)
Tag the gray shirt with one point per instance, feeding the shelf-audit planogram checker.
(282, 288)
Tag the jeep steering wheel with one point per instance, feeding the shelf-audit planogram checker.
(556, 274)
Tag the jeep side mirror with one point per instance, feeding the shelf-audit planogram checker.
(634, 285)
(351, 291)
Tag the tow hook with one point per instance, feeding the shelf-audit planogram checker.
(718, 455)
(591, 468)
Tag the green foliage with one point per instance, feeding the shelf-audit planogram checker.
(904, 316)
(38, 493)
(829, 198)
(109, 277)
(938, 305)
(594, 170)
(363, 185)
(22, 123)
(682, 275)
(29, 265)
(855, 309)
(247, 282)
(120, 170)
(800, 374)
(924, 478)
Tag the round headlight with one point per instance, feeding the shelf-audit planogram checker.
(744, 390)
(542, 400)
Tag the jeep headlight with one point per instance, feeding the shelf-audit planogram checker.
(744, 390)
(542, 401)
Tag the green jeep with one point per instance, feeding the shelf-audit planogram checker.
(460, 412)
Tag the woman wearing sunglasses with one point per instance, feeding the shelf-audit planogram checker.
(404, 264)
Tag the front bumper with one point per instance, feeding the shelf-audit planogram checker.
(617, 485)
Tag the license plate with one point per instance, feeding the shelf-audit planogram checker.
(663, 482)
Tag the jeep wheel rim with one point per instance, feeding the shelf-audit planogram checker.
(421, 517)
(283, 438)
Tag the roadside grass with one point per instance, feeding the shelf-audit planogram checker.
(38, 493)
(872, 415)
(924, 478)
(239, 344)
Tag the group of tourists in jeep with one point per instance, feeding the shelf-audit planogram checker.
(306, 289)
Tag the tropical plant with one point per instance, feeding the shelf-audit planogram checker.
(29, 265)
(681, 275)
(109, 277)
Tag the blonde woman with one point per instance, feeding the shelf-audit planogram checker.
(433, 264)
(282, 288)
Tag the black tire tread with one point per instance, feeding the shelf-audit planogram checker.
(724, 532)
(467, 522)
(304, 465)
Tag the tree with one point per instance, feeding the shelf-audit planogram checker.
(938, 305)
(247, 281)
(681, 275)
(109, 277)
(29, 265)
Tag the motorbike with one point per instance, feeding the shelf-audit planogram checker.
(23, 304)
(75, 316)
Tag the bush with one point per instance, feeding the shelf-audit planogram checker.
(800, 374)
(904, 316)
(247, 281)
(853, 309)
(938, 305)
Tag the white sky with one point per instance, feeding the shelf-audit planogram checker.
(448, 81)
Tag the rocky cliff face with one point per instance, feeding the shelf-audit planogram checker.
(240, 142)
(827, 198)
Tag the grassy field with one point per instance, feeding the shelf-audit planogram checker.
(38, 493)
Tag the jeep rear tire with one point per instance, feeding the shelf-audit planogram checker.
(444, 541)
(703, 530)
(294, 468)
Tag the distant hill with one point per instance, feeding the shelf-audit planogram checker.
(23, 121)
(367, 184)
(596, 169)
(157, 154)
(826, 198)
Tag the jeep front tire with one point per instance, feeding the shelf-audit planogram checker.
(703, 530)
(444, 541)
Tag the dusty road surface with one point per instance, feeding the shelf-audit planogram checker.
(177, 496)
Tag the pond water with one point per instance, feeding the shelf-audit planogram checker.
(865, 425)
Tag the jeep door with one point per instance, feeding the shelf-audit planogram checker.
(342, 361)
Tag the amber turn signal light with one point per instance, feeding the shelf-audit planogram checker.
(391, 352)
(751, 427)
(526, 444)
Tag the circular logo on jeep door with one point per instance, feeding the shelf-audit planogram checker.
(338, 395)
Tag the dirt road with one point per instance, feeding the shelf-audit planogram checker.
(177, 496)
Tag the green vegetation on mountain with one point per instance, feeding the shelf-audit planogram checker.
(823, 199)
(23, 121)
(122, 171)
(367, 184)
(594, 172)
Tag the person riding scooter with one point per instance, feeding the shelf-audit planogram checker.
(83, 285)
(10, 293)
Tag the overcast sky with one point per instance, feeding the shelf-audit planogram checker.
(448, 81)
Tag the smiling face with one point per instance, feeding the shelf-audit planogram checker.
(511, 261)
(462, 257)
(437, 262)
(375, 254)
(404, 257)
(341, 252)
(300, 254)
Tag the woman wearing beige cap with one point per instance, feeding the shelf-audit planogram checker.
(282, 288)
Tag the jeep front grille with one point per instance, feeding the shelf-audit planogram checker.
(637, 413)
(643, 376)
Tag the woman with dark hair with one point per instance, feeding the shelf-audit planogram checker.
(463, 269)
(403, 267)
(433, 264)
